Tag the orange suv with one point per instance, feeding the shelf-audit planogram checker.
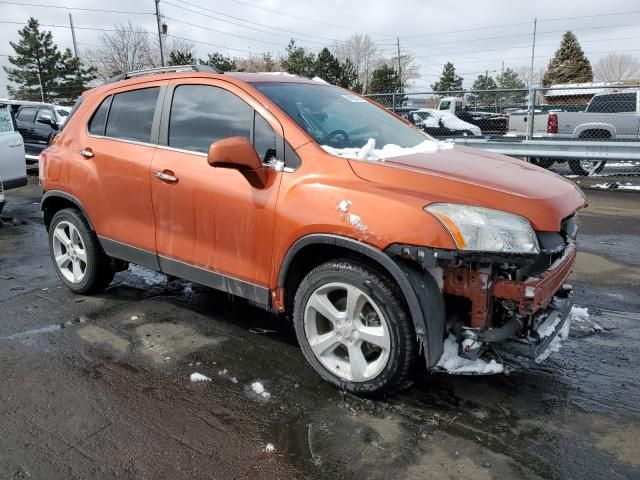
(381, 244)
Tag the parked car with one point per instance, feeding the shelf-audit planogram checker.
(37, 124)
(608, 116)
(489, 123)
(442, 124)
(12, 166)
(320, 205)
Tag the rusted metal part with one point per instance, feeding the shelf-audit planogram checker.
(473, 285)
(536, 293)
(277, 299)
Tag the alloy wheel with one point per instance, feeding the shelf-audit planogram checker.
(69, 252)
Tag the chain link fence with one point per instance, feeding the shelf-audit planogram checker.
(584, 114)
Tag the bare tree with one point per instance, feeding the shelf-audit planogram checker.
(258, 63)
(617, 66)
(128, 47)
(362, 52)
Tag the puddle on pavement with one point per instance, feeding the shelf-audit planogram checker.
(161, 340)
(596, 265)
(94, 334)
(623, 444)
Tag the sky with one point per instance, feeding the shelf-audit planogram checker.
(477, 36)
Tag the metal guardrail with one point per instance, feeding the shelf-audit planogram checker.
(567, 149)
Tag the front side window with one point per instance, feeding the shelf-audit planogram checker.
(336, 118)
(131, 114)
(202, 114)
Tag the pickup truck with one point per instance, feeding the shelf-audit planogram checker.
(609, 116)
(489, 123)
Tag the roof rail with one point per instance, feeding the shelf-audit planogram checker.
(176, 68)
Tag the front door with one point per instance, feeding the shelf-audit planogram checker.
(212, 226)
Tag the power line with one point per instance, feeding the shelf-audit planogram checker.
(74, 8)
(307, 19)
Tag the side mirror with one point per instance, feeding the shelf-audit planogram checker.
(238, 154)
(48, 121)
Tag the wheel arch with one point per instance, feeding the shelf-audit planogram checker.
(312, 250)
(55, 200)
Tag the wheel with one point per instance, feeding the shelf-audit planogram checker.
(585, 167)
(77, 256)
(353, 327)
(542, 162)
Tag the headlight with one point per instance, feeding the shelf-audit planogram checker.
(485, 229)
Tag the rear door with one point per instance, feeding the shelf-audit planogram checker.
(12, 165)
(212, 226)
(25, 120)
(110, 171)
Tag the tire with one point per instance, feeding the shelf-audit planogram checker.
(584, 168)
(542, 162)
(379, 327)
(68, 232)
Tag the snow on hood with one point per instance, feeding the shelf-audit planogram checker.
(370, 152)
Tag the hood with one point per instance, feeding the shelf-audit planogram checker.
(476, 177)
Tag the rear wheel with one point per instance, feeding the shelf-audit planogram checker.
(585, 167)
(353, 328)
(77, 256)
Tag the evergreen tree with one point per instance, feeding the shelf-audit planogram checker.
(569, 64)
(349, 77)
(327, 67)
(385, 79)
(41, 71)
(298, 61)
(485, 82)
(449, 81)
(509, 79)
(177, 57)
(224, 63)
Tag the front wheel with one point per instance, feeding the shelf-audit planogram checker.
(585, 167)
(542, 162)
(354, 329)
(77, 256)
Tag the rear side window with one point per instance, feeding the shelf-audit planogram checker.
(99, 120)
(618, 103)
(27, 114)
(131, 115)
(202, 114)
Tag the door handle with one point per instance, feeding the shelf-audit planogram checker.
(166, 177)
(87, 153)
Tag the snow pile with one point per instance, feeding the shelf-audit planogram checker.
(453, 363)
(258, 389)
(269, 448)
(617, 186)
(370, 152)
(582, 321)
(198, 377)
(318, 79)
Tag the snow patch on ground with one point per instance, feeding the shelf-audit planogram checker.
(617, 186)
(370, 152)
(453, 363)
(259, 389)
(198, 377)
(269, 448)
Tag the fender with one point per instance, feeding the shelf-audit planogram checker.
(49, 196)
(427, 320)
(584, 127)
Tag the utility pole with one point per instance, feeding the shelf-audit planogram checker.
(159, 32)
(486, 79)
(531, 91)
(73, 36)
(399, 60)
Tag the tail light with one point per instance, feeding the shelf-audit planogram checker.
(552, 123)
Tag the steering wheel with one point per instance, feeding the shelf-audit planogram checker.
(337, 138)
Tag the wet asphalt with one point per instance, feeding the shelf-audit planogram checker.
(98, 387)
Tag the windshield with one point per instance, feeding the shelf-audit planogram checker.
(337, 118)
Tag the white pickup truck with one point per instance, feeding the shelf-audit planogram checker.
(13, 171)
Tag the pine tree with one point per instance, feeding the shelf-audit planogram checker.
(449, 81)
(224, 63)
(298, 61)
(327, 67)
(41, 72)
(385, 79)
(569, 64)
(177, 57)
(349, 77)
(509, 79)
(485, 82)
